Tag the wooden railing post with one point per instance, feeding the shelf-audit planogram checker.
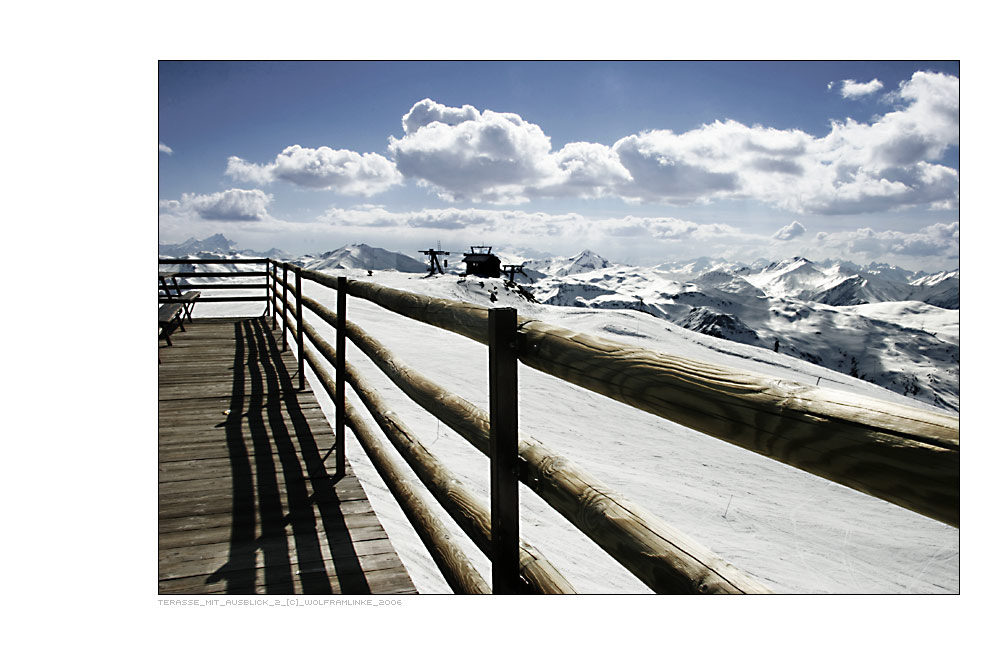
(284, 307)
(341, 372)
(299, 332)
(504, 533)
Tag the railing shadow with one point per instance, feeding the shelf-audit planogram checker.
(347, 566)
(258, 439)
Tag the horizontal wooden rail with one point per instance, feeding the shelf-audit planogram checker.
(174, 260)
(470, 512)
(190, 274)
(659, 555)
(219, 285)
(456, 568)
(202, 299)
(901, 454)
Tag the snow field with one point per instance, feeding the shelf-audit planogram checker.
(795, 532)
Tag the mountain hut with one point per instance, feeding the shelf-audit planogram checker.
(482, 262)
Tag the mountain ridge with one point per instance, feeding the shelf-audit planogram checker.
(876, 322)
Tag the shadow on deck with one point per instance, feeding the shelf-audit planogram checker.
(245, 501)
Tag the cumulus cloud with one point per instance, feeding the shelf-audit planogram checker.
(453, 219)
(467, 154)
(664, 228)
(427, 111)
(853, 90)
(343, 171)
(498, 157)
(889, 163)
(513, 223)
(165, 149)
(588, 170)
(938, 241)
(789, 232)
(883, 165)
(231, 205)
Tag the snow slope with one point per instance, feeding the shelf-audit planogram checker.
(776, 306)
(795, 532)
(362, 256)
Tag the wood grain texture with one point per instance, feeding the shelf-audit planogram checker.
(907, 456)
(245, 502)
(456, 568)
(904, 455)
(469, 511)
(659, 555)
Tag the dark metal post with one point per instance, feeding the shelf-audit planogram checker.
(267, 290)
(299, 330)
(272, 281)
(341, 372)
(504, 546)
(284, 307)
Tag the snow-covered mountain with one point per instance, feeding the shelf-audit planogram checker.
(794, 532)
(559, 266)
(216, 243)
(939, 289)
(215, 246)
(799, 308)
(878, 323)
(362, 256)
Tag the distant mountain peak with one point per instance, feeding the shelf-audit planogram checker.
(215, 243)
(364, 257)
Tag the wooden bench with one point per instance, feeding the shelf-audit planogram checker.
(186, 300)
(168, 316)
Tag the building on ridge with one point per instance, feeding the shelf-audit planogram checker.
(482, 262)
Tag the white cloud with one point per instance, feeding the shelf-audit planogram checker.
(858, 167)
(343, 171)
(488, 156)
(664, 228)
(645, 239)
(226, 206)
(853, 90)
(587, 170)
(427, 111)
(452, 219)
(888, 163)
(244, 171)
(789, 232)
(513, 224)
(938, 241)
(164, 148)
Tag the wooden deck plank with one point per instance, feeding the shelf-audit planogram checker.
(247, 501)
(172, 556)
(285, 581)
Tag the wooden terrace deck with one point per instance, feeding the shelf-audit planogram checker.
(246, 504)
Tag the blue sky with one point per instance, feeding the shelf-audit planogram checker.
(640, 161)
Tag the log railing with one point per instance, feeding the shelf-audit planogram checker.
(532, 571)
(659, 555)
(906, 456)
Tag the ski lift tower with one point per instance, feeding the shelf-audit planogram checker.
(513, 269)
(435, 264)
